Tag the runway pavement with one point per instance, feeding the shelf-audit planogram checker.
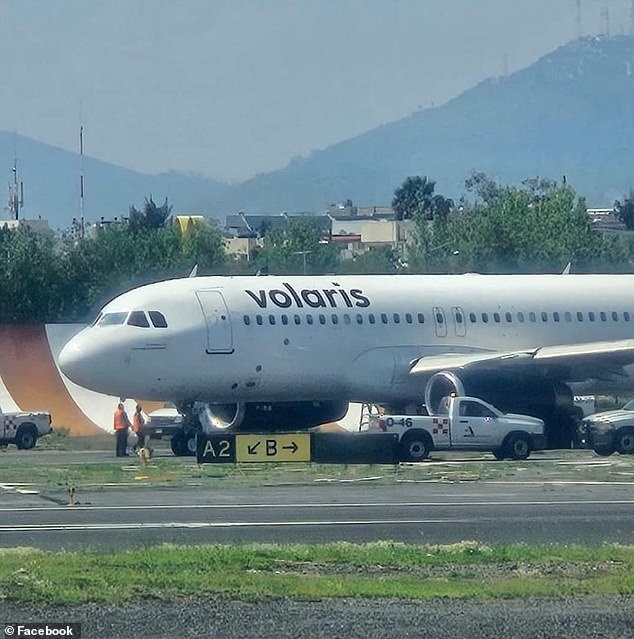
(529, 509)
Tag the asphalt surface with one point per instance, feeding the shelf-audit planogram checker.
(534, 509)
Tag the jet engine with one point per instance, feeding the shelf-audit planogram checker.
(526, 394)
(270, 416)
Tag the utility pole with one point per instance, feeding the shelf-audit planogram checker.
(82, 223)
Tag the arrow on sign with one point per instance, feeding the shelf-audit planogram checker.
(253, 448)
(292, 448)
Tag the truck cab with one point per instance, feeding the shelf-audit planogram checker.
(464, 423)
(23, 429)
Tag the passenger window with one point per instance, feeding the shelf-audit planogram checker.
(472, 318)
(532, 317)
(246, 319)
(271, 320)
(309, 319)
(335, 319)
(297, 319)
(568, 316)
(626, 316)
(520, 317)
(138, 318)
(544, 316)
(346, 318)
(284, 319)
(556, 316)
(508, 317)
(440, 318)
(371, 318)
(322, 319)
(384, 318)
(258, 320)
(615, 316)
(603, 316)
(485, 318)
(591, 316)
(459, 318)
(579, 316)
(359, 318)
(397, 318)
(408, 318)
(421, 318)
(158, 319)
(112, 319)
(496, 318)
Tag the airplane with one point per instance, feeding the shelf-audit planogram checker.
(290, 352)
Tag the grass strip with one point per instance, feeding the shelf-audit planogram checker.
(260, 571)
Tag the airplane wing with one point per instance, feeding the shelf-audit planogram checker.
(572, 362)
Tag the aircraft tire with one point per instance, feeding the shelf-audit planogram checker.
(624, 440)
(518, 446)
(178, 444)
(498, 453)
(189, 444)
(603, 451)
(414, 446)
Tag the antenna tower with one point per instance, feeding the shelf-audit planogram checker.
(82, 223)
(605, 14)
(16, 192)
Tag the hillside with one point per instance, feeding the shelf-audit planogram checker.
(51, 184)
(570, 113)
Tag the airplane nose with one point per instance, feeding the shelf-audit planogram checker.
(72, 361)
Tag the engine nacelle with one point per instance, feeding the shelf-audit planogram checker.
(541, 397)
(270, 416)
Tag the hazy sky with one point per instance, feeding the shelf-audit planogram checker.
(231, 88)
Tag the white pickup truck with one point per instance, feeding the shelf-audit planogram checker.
(464, 423)
(23, 429)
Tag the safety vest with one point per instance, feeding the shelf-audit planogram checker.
(137, 422)
(120, 420)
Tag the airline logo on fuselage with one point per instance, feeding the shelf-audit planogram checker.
(311, 297)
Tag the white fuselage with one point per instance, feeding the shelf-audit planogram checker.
(292, 338)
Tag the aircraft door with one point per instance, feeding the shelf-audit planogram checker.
(440, 322)
(459, 322)
(219, 332)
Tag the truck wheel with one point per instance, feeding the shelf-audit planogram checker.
(26, 436)
(498, 453)
(604, 451)
(518, 446)
(414, 446)
(624, 440)
(178, 444)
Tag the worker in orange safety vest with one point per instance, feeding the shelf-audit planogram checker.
(121, 425)
(138, 422)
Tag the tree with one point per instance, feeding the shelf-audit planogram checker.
(298, 248)
(538, 227)
(152, 216)
(413, 197)
(625, 211)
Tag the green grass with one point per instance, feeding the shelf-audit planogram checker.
(256, 572)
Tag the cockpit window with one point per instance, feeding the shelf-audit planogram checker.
(158, 319)
(111, 319)
(138, 318)
(97, 320)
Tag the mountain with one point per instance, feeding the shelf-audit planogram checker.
(51, 184)
(570, 113)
